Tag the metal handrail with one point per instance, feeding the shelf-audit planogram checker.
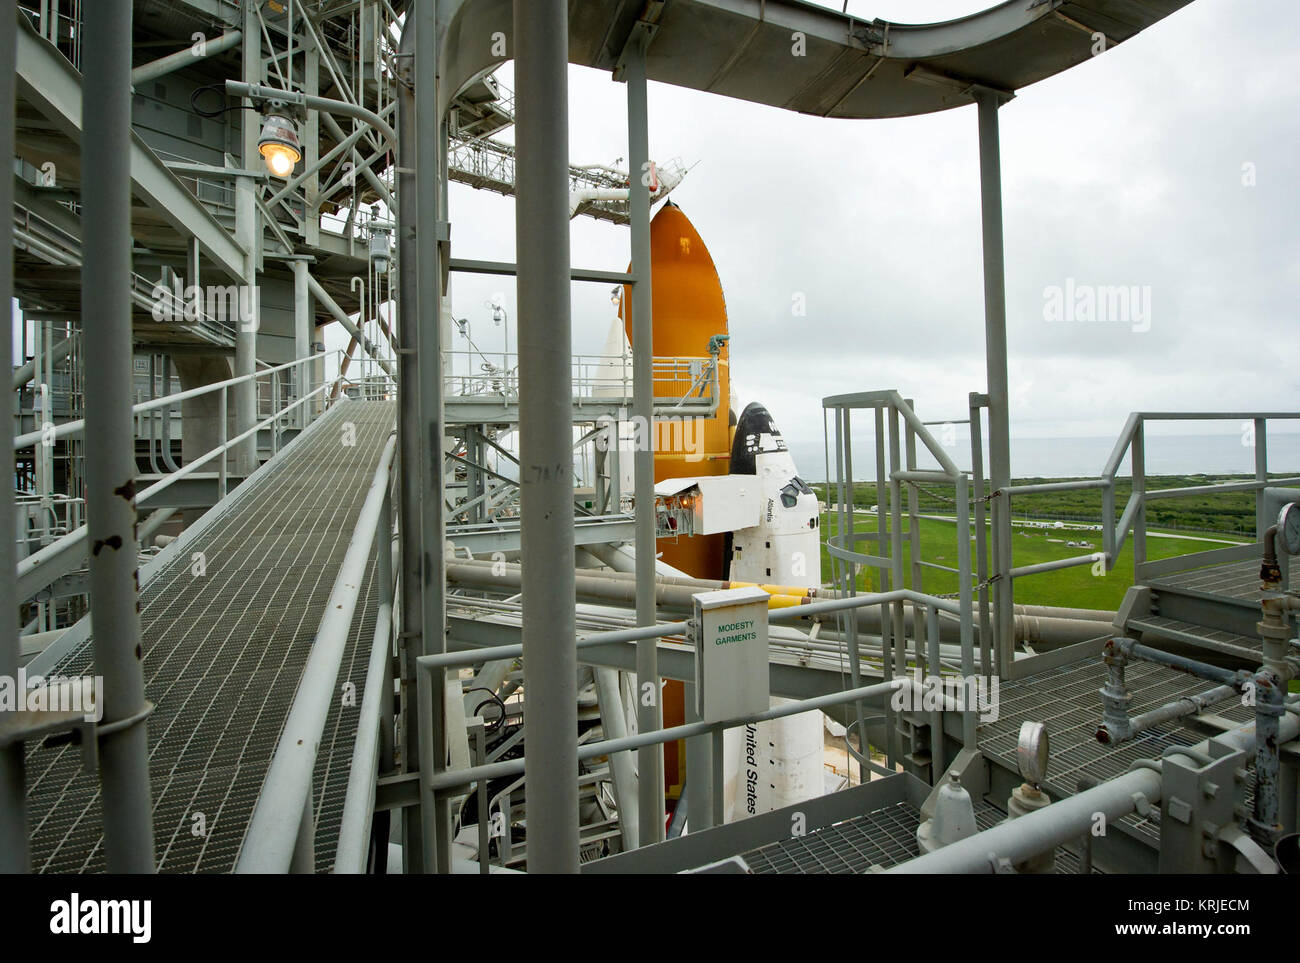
(69, 428)
(1116, 526)
(435, 780)
(29, 567)
(1132, 442)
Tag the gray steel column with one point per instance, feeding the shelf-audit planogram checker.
(429, 170)
(247, 229)
(302, 335)
(649, 712)
(995, 351)
(110, 436)
(13, 809)
(541, 39)
(408, 436)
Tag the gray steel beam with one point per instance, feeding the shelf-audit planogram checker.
(650, 759)
(110, 446)
(505, 268)
(55, 354)
(486, 538)
(13, 809)
(433, 608)
(379, 186)
(185, 58)
(541, 36)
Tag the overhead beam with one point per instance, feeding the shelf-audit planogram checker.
(469, 266)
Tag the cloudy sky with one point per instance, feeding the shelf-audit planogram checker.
(1130, 169)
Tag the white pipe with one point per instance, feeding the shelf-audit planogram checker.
(613, 719)
(578, 198)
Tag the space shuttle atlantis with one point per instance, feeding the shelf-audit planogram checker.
(729, 505)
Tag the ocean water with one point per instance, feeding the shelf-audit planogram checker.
(1220, 454)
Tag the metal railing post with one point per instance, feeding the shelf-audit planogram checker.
(1138, 455)
(847, 524)
(968, 720)
(937, 766)
(888, 639)
(110, 443)
(896, 542)
(1261, 476)
(223, 471)
(981, 534)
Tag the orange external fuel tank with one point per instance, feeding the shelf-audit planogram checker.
(689, 309)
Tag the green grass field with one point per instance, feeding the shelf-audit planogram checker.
(1232, 513)
(1075, 587)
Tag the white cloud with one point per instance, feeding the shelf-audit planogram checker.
(1126, 170)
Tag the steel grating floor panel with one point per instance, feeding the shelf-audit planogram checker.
(1236, 580)
(884, 837)
(223, 651)
(880, 838)
(1068, 702)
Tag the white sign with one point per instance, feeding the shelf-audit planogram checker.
(731, 657)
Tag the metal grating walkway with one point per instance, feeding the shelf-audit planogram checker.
(1068, 701)
(1234, 580)
(883, 837)
(223, 651)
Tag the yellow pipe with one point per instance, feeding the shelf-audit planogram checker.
(773, 589)
(787, 601)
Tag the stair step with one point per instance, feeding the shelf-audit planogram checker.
(1220, 641)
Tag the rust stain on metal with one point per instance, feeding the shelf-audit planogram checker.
(113, 541)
